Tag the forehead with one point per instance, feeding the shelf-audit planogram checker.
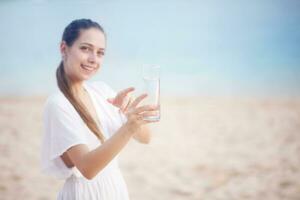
(92, 36)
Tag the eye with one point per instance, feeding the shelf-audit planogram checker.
(100, 53)
(84, 48)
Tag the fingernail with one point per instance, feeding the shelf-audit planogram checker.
(154, 107)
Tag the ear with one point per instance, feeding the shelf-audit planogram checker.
(63, 49)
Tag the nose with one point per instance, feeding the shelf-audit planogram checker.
(92, 58)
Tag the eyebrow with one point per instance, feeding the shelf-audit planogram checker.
(91, 45)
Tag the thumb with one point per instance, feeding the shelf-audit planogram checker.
(111, 100)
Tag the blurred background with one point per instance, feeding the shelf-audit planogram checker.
(230, 87)
(209, 47)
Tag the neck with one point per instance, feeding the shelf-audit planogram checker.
(78, 88)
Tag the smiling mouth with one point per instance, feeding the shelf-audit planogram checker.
(88, 68)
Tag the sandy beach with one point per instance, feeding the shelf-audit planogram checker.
(203, 148)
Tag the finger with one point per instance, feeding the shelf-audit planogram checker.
(110, 100)
(145, 121)
(150, 121)
(145, 109)
(124, 92)
(124, 103)
(149, 114)
(138, 100)
(128, 103)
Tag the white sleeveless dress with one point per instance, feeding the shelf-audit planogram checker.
(63, 128)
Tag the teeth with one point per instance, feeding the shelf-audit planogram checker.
(87, 67)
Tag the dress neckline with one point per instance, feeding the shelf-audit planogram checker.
(96, 107)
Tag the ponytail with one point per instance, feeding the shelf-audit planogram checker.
(65, 87)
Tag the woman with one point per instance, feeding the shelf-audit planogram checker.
(86, 125)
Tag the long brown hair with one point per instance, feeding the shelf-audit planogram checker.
(71, 33)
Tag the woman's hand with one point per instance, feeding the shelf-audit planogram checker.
(122, 99)
(135, 115)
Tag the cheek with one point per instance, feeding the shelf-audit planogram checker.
(73, 61)
(100, 61)
(76, 59)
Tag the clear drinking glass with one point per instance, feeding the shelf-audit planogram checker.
(151, 77)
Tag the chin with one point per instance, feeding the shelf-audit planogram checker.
(87, 76)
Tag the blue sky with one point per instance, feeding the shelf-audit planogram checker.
(204, 47)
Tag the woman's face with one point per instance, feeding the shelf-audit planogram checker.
(83, 59)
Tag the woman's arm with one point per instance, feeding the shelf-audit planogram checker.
(143, 135)
(121, 101)
(89, 163)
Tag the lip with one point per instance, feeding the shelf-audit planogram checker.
(87, 67)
